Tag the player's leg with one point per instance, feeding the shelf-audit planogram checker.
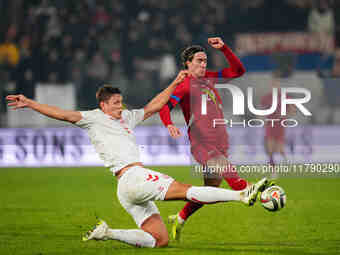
(212, 178)
(155, 226)
(211, 195)
(191, 207)
(280, 140)
(218, 167)
(281, 149)
(153, 233)
(135, 237)
(200, 154)
(229, 172)
(199, 196)
(136, 188)
(218, 161)
(269, 144)
(207, 195)
(178, 220)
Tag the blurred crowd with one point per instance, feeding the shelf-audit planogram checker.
(133, 45)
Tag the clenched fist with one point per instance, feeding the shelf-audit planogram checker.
(216, 42)
(181, 76)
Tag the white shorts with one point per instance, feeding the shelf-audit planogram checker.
(138, 187)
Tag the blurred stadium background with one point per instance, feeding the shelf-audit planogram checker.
(60, 52)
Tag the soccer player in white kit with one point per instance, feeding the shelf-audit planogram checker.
(110, 129)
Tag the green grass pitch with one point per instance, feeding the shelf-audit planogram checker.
(46, 210)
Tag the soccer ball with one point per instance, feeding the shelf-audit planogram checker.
(273, 198)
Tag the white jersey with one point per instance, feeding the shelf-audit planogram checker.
(113, 139)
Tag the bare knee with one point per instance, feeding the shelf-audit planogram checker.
(155, 226)
(163, 241)
(161, 237)
(219, 165)
(177, 191)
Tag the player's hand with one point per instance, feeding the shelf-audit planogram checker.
(174, 131)
(17, 101)
(216, 42)
(181, 76)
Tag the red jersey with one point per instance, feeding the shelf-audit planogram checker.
(273, 130)
(266, 102)
(189, 95)
(201, 126)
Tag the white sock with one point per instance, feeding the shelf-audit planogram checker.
(210, 195)
(136, 237)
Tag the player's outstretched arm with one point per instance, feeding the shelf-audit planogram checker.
(235, 69)
(162, 98)
(216, 42)
(20, 101)
(177, 96)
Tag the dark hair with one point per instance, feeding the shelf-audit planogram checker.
(189, 52)
(105, 92)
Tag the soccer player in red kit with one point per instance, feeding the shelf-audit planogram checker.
(209, 144)
(274, 139)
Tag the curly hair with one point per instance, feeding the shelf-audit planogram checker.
(189, 52)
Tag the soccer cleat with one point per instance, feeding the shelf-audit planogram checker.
(268, 184)
(176, 227)
(97, 233)
(249, 194)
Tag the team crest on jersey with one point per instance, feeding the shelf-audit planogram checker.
(210, 94)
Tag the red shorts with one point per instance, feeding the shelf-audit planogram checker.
(275, 133)
(202, 152)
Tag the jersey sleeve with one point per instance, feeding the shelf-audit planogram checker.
(134, 117)
(88, 117)
(236, 68)
(180, 92)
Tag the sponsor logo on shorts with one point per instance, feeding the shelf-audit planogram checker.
(152, 178)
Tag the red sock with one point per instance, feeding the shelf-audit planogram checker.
(189, 209)
(236, 183)
(234, 180)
